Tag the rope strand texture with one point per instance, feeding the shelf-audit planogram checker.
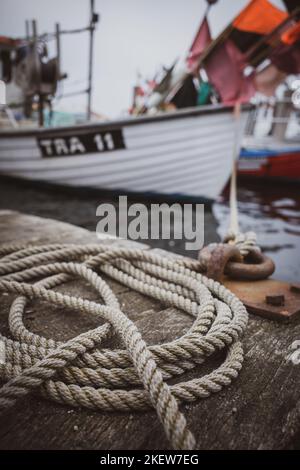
(80, 372)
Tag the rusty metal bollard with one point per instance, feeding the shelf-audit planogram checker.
(226, 259)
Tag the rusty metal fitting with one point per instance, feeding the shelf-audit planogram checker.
(295, 288)
(224, 258)
(256, 266)
(216, 257)
(277, 300)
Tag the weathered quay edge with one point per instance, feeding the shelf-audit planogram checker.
(260, 410)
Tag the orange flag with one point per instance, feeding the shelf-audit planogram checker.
(260, 17)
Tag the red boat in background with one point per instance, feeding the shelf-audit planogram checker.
(271, 147)
(281, 165)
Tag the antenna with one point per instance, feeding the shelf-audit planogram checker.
(58, 49)
(27, 29)
(93, 20)
(37, 76)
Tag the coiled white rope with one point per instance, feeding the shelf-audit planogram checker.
(80, 372)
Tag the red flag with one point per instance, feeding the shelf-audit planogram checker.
(201, 41)
(224, 68)
(227, 61)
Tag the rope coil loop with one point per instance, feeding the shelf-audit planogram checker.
(80, 372)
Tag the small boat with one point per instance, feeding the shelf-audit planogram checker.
(187, 152)
(280, 163)
(271, 147)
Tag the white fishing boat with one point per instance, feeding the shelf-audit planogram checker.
(187, 152)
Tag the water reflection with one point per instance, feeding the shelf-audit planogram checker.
(273, 212)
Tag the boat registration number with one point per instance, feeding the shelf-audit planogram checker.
(89, 142)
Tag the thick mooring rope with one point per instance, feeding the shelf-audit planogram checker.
(80, 372)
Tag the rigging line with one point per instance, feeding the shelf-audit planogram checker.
(73, 93)
(234, 215)
(52, 36)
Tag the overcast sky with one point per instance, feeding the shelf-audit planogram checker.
(133, 35)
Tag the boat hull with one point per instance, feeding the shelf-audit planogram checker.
(186, 153)
(280, 165)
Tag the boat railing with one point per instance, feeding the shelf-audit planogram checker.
(273, 118)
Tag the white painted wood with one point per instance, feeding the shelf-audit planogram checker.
(187, 155)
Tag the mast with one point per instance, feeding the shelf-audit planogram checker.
(27, 30)
(58, 49)
(37, 76)
(93, 20)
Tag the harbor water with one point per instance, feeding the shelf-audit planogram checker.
(272, 211)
